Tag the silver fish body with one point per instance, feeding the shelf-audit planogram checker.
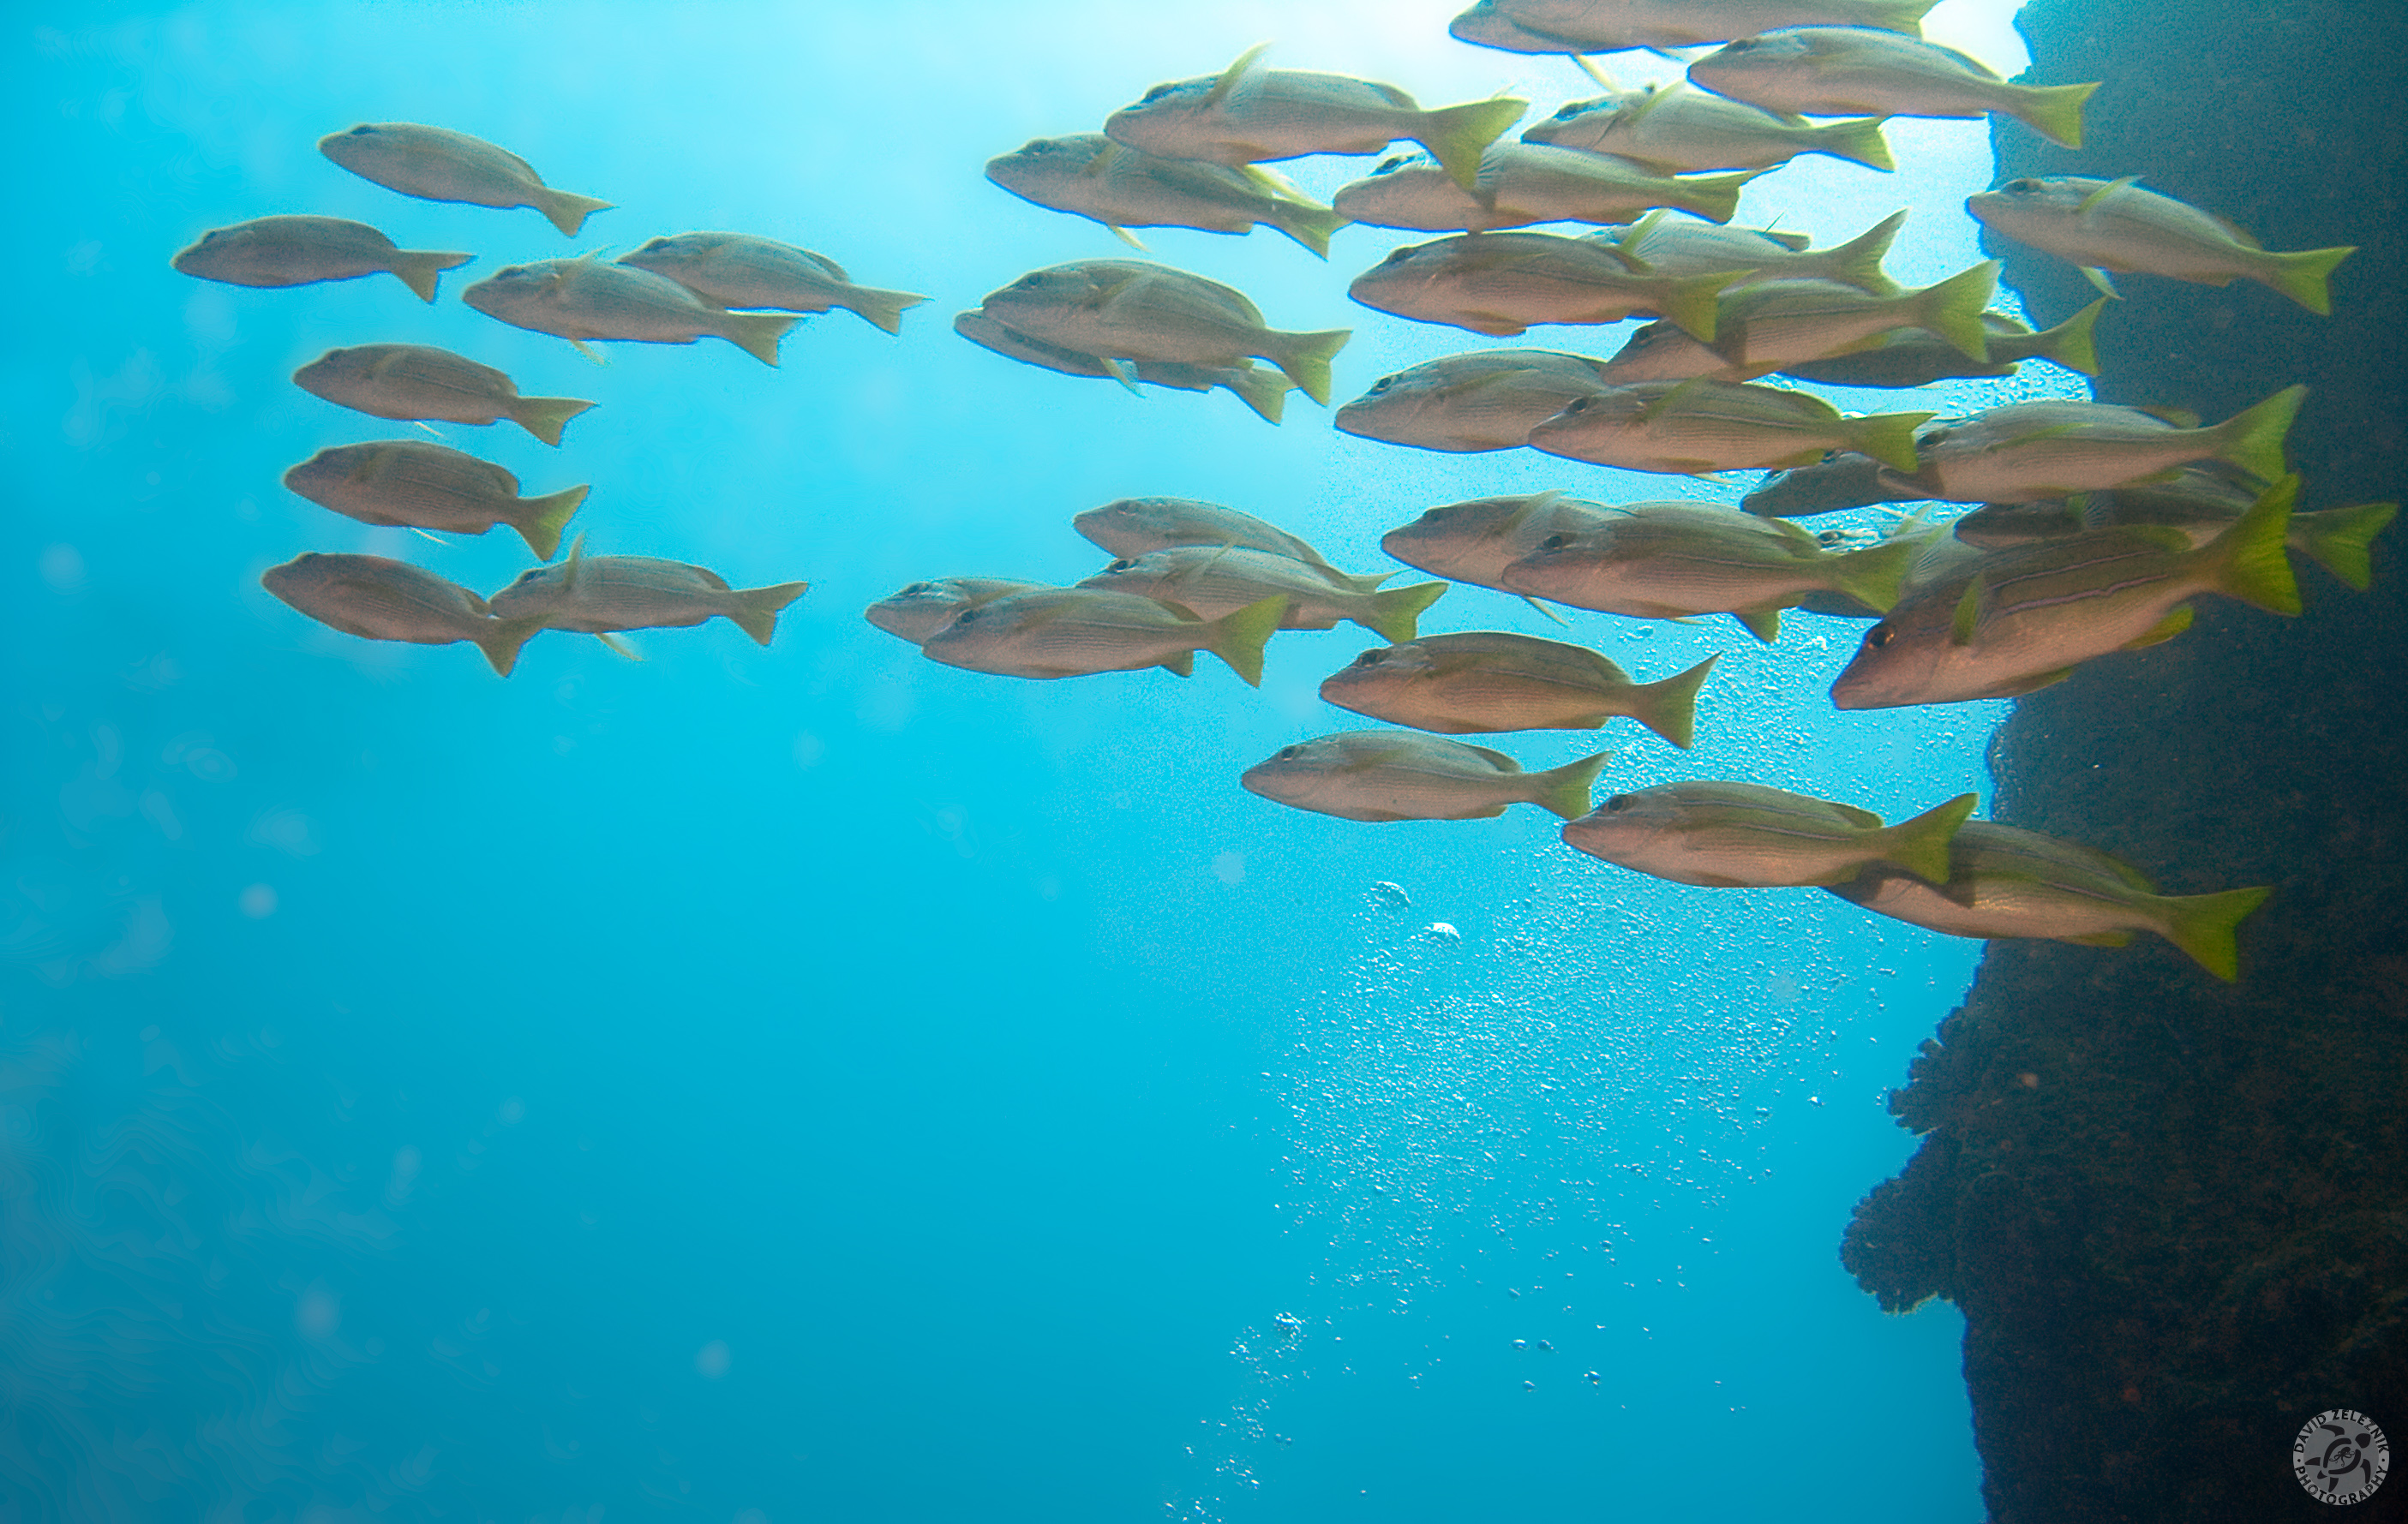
(741, 270)
(1130, 527)
(1521, 183)
(606, 594)
(416, 381)
(588, 298)
(378, 598)
(417, 484)
(1483, 681)
(1053, 633)
(1090, 176)
(1851, 71)
(436, 163)
(919, 610)
(1474, 541)
(1679, 128)
(303, 250)
(1383, 776)
(1262, 387)
(1746, 835)
(1486, 400)
(1503, 284)
(1212, 581)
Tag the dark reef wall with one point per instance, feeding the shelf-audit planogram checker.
(2175, 1212)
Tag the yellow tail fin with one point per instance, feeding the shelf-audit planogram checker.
(2073, 342)
(1953, 308)
(1874, 575)
(1670, 707)
(1714, 197)
(1859, 262)
(501, 640)
(1262, 389)
(2337, 539)
(1309, 225)
(1395, 614)
(2252, 438)
(420, 268)
(1564, 791)
(1888, 437)
(2207, 926)
(757, 332)
(756, 609)
(1238, 637)
(1457, 135)
(569, 212)
(1899, 15)
(884, 309)
(542, 518)
(1920, 845)
(545, 417)
(2248, 559)
(1694, 303)
(2303, 276)
(1305, 359)
(1859, 142)
(2054, 111)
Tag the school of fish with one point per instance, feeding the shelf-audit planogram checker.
(2086, 529)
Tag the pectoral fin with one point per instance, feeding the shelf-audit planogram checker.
(2163, 631)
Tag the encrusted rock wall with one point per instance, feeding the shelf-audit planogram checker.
(2175, 1212)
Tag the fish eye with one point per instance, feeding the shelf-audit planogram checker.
(1377, 387)
(967, 614)
(363, 130)
(1555, 542)
(1396, 255)
(528, 576)
(1154, 95)
(1616, 805)
(1830, 537)
(1288, 754)
(211, 234)
(1370, 658)
(1578, 405)
(1566, 113)
(1123, 563)
(2021, 188)
(1738, 45)
(1880, 635)
(916, 589)
(656, 243)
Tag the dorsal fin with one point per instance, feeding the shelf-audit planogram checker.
(2181, 418)
(1234, 74)
(1503, 763)
(1859, 817)
(1657, 410)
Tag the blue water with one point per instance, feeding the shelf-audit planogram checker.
(814, 1083)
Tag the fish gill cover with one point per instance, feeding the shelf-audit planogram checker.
(656, 1074)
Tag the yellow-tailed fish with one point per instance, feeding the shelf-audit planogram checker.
(1911, 357)
(2037, 449)
(2005, 881)
(302, 250)
(2104, 226)
(1848, 71)
(1674, 246)
(1678, 128)
(1745, 835)
(1212, 581)
(1125, 310)
(2019, 619)
(1668, 561)
(590, 298)
(1503, 283)
(1613, 25)
(1843, 480)
(1076, 632)
(1090, 176)
(416, 381)
(740, 270)
(380, 599)
(436, 163)
(1474, 541)
(604, 594)
(416, 484)
(1134, 526)
(1248, 114)
(1483, 681)
(919, 609)
(1489, 399)
(1768, 325)
(1521, 183)
(1703, 425)
(1384, 776)
(1262, 387)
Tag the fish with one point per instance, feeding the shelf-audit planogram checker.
(303, 250)
(2038, 450)
(2017, 621)
(1502, 283)
(1841, 479)
(1474, 541)
(919, 610)
(2117, 225)
(418, 381)
(1521, 183)
(1614, 25)
(1050, 632)
(1259, 387)
(1766, 325)
(606, 594)
(1660, 352)
(1127, 310)
(1090, 176)
(377, 598)
(1679, 128)
(1911, 357)
(1746, 835)
(1668, 561)
(416, 484)
(2200, 504)
(589, 298)
(1703, 425)
(1381, 775)
(1211, 580)
(1675, 246)
(740, 270)
(436, 163)
(1486, 399)
(1248, 114)
(1848, 71)
(1130, 527)
(1486, 681)
(2003, 880)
